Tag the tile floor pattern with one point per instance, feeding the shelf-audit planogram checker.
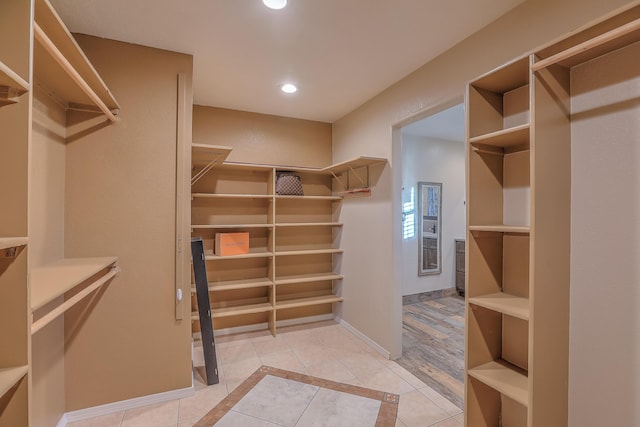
(277, 397)
(324, 350)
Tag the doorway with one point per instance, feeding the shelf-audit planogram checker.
(433, 230)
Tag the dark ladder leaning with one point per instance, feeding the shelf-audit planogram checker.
(204, 310)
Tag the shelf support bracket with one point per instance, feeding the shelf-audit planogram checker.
(203, 171)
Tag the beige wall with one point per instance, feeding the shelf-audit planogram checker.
(261, 138)
(372, 294)
(120, 200)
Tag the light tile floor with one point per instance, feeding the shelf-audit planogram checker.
(325, 350)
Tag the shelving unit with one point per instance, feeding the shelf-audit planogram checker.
(15, 85)
(289, 273)
(521, 123)
(498, 239)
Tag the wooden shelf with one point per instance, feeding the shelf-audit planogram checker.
(504, 303)
(523, 229)
(14, 84)
(229, 226)
(230, 285)
(309, 198)
(511, 137)
(9, 246)
(230, 196)
(505, 378)
(510, 76)
(594, 47)
(304, 278)
(358, 162)
(309, 224)
(256, 254)
(310, 252)
(203, 154)
(63, 69)
(304, 302)
(237, 310)
(55, 279)
(10, 377)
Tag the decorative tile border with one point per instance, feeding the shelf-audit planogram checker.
(386, 415)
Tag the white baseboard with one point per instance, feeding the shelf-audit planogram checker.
(374, 345)
(124, 405)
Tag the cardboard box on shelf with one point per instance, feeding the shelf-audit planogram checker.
(231, 244)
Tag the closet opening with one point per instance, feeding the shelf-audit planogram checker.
(430, 155)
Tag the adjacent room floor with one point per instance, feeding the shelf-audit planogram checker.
(433, 345)
(326, 350)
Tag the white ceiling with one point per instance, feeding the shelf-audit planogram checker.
(340, 53)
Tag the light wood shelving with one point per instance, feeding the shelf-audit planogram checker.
(519, 146)
(54, 280)
(9, 377)
(505, 378)
(62, 68)
(10, 246)
(11, 85)
(504, 303)
(289, 273)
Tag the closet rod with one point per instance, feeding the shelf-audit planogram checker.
(589, 44)
(71, 71)
(47, 318)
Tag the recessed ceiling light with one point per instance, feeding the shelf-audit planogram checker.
(289, 88)
(275, 4)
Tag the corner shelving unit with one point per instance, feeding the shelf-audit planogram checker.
(289, 274)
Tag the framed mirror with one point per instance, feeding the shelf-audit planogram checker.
(430, 228)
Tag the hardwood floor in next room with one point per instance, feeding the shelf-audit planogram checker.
(433, 345)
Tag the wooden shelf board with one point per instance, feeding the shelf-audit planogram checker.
(303, 302)
(53, 280)
(356, 163)
(203, 154)
(309, 252)
(52, 76)
(498, 228)
(229, 285)
(594, 47)
(230, 226)
(309, 198)
(511, 137)
(304, 278)
(506, 78)
(11, 79)
(505, 378)
(12, 242)
(230, 196)
(337, 168)
(504, 303)
(10, 377)
(256, 254)
(309, 224)
(237, 310)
